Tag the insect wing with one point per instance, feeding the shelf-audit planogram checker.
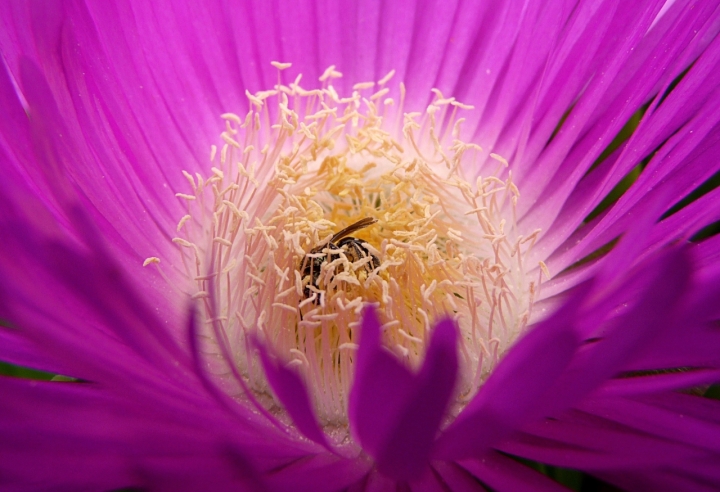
(360, 224)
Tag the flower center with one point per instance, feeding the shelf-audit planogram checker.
(343, 202)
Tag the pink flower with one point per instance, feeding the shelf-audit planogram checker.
(536, 272)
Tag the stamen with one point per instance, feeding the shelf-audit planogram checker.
(424, 242)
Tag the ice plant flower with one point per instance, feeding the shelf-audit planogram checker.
(481, 234)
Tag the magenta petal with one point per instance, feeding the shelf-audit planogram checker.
(625, 335)
(707, 259)
(290, 390)
(381, 386)
(627, 251)
(511, 393)
(663, 64)
(457, 479)
(375, 482)
(406, 449)
(428, 481)
(319, 473)
(665, 479)
(394, 414)
(504, 474)
(91, 437)
(661, 422)
(592, 442)
(660, 382)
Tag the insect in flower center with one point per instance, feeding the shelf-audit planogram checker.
(349, 250)
(339, 203)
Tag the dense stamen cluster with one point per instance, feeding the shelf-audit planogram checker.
(278, 192)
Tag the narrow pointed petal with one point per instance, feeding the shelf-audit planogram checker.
(291, 391)
(381, 387)
(406, 448)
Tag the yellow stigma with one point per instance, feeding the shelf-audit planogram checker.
(302, 165)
